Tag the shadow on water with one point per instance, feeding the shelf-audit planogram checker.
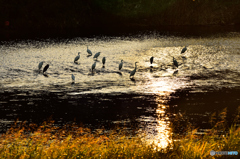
(45, 75)
(120, 73)
(103, 110)
(133, 79)
(93, 110)
(198, 106)
(77, 63)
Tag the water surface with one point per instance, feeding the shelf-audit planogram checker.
(207, 80)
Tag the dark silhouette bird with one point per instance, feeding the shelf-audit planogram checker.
(133, 71)
(96, 55)
(175, 63)
(103, 61)
(45, 68)
(93, 66)
(120, 65)
(73, 78)
(40, 65)
(151, 60)
(77, 57)
(183, 50)
(89, 52)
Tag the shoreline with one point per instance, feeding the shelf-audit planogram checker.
(121, 31)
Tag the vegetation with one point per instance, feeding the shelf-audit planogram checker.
(62, 14)
(71, 141)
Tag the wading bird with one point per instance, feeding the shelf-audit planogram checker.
(120, 65)
(184, 49)
(133, 71)
(77, 57)
(175, 63)
(96, 55)
(45, 68)
(151, 60)
(40, 65)
(73, 78)
(103, 61)
(89, 52)
(93, 66)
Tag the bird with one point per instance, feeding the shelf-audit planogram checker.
(151, 60)
(133, 71)
(120, 65)
(45, 68)
(184, 49)
(77, 57)
(175, 63)
(93, 66)
(40, 65)
(96, 55)
(89, 52)
(73, 78)
(103, 60)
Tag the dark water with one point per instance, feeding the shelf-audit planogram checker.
(207, 80)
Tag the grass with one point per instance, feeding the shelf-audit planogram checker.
(71, 141)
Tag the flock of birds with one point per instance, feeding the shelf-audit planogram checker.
(132, 73)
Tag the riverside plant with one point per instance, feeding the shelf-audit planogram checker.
(71, 141)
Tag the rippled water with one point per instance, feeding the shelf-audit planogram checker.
(207, 80)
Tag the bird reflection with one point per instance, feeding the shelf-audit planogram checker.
(45, 75)
(151, 70)
(132, 79)
(120, 73)
(175, 73)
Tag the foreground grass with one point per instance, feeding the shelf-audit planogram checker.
(48, 141)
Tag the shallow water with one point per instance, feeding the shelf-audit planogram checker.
(207, 80)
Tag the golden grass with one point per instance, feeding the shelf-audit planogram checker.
(71, 141)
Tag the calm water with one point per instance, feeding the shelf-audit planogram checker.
(208, 80)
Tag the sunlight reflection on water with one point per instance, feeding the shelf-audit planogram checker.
(156, 130)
